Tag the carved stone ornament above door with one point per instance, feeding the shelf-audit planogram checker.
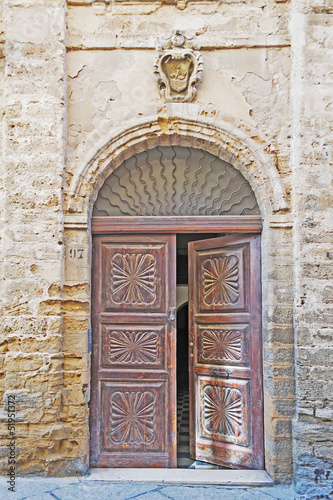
(178, 67)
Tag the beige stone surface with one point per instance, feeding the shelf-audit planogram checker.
(136, 24)
(183, 476)
(77, 96)
(313, 235)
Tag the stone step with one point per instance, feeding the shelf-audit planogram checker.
(183, 476)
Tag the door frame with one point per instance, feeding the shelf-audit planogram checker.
(179, 224)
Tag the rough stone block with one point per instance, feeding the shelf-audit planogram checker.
(73, 395)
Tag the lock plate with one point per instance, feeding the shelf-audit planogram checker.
(172, 313)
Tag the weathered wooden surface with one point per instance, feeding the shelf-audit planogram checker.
(133, 358)
(226, 414)
(181, 224)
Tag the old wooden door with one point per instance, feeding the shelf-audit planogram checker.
(133, 412)
(226, 415)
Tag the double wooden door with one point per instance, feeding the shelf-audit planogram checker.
(133, 400)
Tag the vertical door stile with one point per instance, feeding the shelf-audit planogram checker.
(193, 424)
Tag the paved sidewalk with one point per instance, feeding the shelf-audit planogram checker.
(80, 489)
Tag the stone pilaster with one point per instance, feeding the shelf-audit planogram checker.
(312, 102)
(34, 147)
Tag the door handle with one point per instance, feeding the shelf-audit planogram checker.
(172, 313)
(222, 373)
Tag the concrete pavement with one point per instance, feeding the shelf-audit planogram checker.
(72, 488)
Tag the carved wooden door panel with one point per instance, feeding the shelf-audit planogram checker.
(226, 414)
(133, 358)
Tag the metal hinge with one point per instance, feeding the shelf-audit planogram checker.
(89, 340)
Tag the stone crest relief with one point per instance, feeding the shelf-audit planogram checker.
(178, 67)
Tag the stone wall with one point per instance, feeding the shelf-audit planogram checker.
(2, 170)
(33, 166)
(57, 150)
(312, 103)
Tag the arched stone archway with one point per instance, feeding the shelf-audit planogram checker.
(244, 153)
(230, 144)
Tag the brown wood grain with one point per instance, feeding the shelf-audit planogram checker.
(148, 385)
(133, 399)
(226, 399)
(184, 224)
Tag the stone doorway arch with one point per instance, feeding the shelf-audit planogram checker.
(172, 183)
(244, 153)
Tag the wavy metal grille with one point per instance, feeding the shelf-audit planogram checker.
(175, 180)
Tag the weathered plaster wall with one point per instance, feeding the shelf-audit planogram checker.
(312, 98)
(47, 288)
(111, 56)
(107, 88)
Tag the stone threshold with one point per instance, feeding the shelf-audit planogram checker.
(183, 476)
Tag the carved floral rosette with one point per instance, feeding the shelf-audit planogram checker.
(178, 67)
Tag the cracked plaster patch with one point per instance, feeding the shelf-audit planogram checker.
(78, 88)
(103, 99)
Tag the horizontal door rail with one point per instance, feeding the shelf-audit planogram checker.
(185, 224)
